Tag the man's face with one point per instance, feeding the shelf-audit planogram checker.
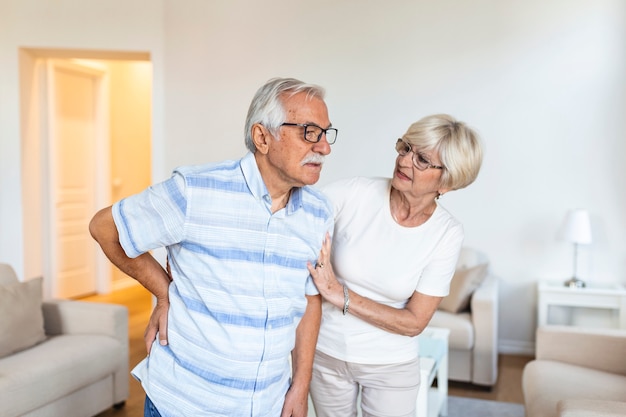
(294, 161)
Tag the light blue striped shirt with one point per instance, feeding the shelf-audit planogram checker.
(239, 284)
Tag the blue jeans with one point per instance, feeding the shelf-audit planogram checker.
(149, 410)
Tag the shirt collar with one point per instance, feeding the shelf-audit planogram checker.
(257, 187)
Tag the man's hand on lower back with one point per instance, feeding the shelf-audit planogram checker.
(157, 325)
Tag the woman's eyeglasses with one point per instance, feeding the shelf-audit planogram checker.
(419, 160)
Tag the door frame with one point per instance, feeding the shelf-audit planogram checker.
(101, 183)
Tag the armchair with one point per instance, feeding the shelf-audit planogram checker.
(576, 372)
(473, 342)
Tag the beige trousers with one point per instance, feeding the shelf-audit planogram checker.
(386, 390)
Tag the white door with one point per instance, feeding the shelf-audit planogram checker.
(73, 117)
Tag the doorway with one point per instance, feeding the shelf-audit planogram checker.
(75, 97)
(86, 144)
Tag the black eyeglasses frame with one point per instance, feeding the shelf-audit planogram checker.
(319, 137)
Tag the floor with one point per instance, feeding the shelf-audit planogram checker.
(139, 302)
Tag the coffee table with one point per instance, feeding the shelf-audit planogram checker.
(432, 400)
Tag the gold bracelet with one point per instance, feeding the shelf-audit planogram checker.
(346, 300)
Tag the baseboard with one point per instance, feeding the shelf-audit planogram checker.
(516, 347)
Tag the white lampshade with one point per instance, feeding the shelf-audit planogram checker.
(577, 227)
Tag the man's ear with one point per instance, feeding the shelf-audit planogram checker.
(261, 137)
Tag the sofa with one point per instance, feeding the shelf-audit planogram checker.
(576, 372)
(470, 311)
(59, 357)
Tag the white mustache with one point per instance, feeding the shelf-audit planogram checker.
(314, 158)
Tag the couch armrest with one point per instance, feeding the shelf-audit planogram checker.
(601, 349)
(484, 307)
(591, 408)
(80, 317)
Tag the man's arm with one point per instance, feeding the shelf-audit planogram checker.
(296, 401)
(143, 268)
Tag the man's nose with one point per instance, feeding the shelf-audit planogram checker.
(322, 146)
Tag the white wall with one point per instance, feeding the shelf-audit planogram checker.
(543, 82)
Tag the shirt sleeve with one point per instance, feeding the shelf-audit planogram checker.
(438, 273)
(310, 288)
(153, 218)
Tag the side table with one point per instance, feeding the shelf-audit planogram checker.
(610, 297)
(433, 345)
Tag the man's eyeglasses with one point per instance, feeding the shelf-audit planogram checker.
(419, 160)
(313, 133)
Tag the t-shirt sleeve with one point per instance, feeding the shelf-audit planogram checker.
(437, 275)
(153, 218)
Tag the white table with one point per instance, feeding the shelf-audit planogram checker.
(433, 401)
(610, 297)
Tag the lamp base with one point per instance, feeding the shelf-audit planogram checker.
(575, 283)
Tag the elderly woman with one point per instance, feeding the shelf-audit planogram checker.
(394, 252)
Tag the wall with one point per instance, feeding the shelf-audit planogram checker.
(543, 82)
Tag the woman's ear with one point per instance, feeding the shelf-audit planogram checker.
(442, 191)
(260, 137)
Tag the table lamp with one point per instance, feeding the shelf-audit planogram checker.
(577, 230)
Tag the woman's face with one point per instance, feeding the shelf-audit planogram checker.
(414, 182)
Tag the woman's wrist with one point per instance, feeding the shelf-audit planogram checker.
(346, 300)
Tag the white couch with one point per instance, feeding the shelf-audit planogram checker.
(473, 355)
(79, 369)
(577, 372)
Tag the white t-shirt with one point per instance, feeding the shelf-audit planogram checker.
(386, 262)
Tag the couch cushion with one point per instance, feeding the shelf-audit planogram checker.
(470, 257)
(547, 382)
(55, 368)
(574, 407)
(460, 325)
(7, 275)
(21, 318)
(464, 283)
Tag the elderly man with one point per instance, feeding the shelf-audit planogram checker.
(239, 300)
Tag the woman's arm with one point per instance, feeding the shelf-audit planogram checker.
(409, 321)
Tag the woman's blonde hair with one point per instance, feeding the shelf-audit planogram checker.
(457, 145)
